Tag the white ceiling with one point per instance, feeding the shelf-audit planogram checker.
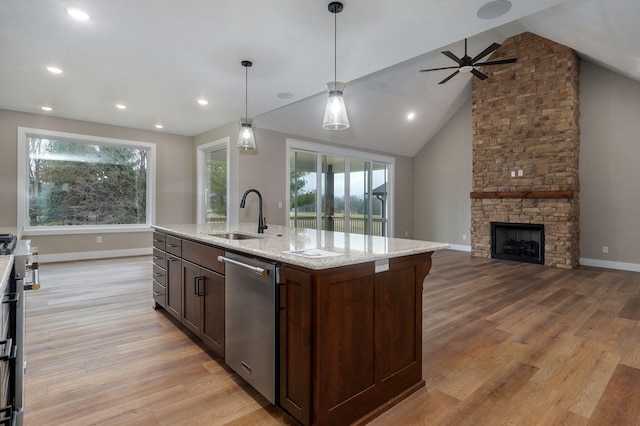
(159, 56)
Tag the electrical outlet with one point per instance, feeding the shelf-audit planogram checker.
(464, 237)
(513, 173)
(99, 240)
(605, 249)
(279, 204)
(520, 173)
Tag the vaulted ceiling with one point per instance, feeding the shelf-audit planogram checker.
(160, 57)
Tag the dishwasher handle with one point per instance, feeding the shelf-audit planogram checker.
(254, 269)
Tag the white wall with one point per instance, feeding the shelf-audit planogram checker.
(609, 166)
(265, 170)
(442, 183)
(174, 185)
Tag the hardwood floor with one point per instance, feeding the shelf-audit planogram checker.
(503, 344)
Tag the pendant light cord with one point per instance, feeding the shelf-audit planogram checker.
(246, 94)
(335, 48)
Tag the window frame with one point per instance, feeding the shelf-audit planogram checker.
(232, 179)
(348, 154)
(24, 133)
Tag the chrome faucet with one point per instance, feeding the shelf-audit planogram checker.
(262, 224)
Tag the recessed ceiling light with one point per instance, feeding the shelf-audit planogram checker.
(46, 108)
(494, 9)
(77, 14)
(411, 116)
(54, 70)
(203, 102)
(159, 126)
(121, 106)
(285, 95)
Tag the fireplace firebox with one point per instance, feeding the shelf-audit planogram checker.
(522, 242)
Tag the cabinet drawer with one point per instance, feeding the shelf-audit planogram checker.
(159, 240)
(160, 294)
(159, 275)
(160, 258)
(203, 255)
(174, 245)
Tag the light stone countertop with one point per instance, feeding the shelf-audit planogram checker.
(6, 261)
(277, 241)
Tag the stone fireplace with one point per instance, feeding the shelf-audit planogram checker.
(526, 140)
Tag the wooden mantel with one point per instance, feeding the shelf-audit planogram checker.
(558, 194)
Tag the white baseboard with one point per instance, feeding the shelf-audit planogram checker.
(623, 266)
(459, 247)
(86, 255)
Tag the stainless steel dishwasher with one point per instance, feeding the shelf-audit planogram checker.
(250, 320)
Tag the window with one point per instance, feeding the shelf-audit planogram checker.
(213, 190)
(339, 190)
(71, 182)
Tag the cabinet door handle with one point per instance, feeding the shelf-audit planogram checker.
(158, 274)
(196, 286)
(158, 257)
(158, 241)
(157, 293)
(172, 259)
(172, 245)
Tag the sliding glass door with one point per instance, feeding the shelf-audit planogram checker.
(338, 192)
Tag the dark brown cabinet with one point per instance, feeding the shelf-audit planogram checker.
(203, 313)
(174, 287)
(189, 283)
(159, 277)
(350, 339)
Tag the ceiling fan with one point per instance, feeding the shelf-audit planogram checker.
(468, 64)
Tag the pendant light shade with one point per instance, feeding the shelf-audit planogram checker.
(335, 114)
(246, 140)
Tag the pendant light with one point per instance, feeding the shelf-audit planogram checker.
(246, 140)
(335, 115)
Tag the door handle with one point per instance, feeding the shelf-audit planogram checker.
(196, 286)
(254, 269)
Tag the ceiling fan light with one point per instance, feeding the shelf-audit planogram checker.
(335, 114)
(246, 140)
(465, 68)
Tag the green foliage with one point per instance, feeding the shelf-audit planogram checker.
(217, 172)
(73, 183)
(297, 196)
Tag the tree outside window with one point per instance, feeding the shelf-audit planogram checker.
(79, 183)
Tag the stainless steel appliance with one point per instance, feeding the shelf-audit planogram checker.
(24, 276)
(251, 320)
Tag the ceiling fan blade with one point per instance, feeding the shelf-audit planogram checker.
(485, 52)
(479, 74)
(496, 62)
(450, 77)
(452, 56)
(438, 69)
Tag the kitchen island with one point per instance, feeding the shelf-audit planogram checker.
(350, 310)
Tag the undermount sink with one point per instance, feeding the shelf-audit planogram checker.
(235, 236)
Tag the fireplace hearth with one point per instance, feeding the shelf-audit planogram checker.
(522, 242)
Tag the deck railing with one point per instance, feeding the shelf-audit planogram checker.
(356, 224)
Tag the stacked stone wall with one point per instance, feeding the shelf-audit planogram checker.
(526, 117)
